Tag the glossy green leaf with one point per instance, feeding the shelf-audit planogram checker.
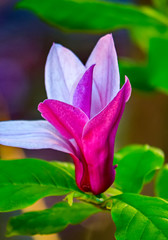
(136, 166)
(140, 217)
(95, 16)
(67, 166)
(51, 220)
(23, 182)
(161, 185)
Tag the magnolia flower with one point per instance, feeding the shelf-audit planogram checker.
(82, 113)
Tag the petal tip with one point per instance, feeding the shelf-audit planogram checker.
(128, 88)
(54, 47)
(107, 37)
(41, 106)
(91, 68)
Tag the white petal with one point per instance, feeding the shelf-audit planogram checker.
(32, 135)
(106, 79)
(62, 69)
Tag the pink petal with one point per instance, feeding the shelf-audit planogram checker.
(33, 135)
(98, 141)
(62, 69)
(78, 170)
(106, 73)
(67, 119)
(83, 92)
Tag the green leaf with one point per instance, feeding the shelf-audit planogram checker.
(95, 16)
(23, 182)
(139, 33)
(140, 217)
(136, 166)
(161, 5)
(69, 198)
(153, 74)
(67, 166)
(51, 220)
(158, 52)
(137, 73)
(161, 185)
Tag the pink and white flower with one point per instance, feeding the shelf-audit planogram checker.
(82, 113)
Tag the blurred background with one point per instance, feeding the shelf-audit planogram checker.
(25, 41)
